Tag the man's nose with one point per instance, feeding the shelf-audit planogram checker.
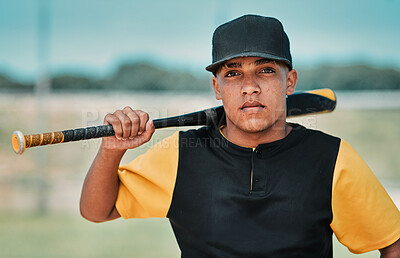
(250, 86)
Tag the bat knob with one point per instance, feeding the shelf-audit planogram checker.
(18, 142)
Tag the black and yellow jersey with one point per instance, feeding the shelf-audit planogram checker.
(281, 199)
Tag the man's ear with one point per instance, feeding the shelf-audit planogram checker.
(216, 88)
(291, 82)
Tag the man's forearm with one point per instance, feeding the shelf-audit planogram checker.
(392, 251)
(100, 188)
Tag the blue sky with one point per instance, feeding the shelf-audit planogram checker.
(93, 36)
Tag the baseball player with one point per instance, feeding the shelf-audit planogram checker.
(254, 186)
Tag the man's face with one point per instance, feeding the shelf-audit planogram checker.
(253, 91)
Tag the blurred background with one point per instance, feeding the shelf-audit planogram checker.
(66, 64)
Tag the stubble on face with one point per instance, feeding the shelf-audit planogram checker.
(253, 91)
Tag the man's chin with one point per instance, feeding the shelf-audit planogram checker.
(254, 127)
(260, 125)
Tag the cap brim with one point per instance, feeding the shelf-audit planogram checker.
(214, 66)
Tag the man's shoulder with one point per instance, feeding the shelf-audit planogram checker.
(202, 132)
(315, 140)
(204, 137)
(316, 134)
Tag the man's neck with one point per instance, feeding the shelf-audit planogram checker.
(276, 132)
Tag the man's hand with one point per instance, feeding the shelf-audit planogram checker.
(132, 128)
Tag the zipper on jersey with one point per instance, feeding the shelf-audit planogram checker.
(251, 180)
(251, 171)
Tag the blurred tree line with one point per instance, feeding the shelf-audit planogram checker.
(130, 76)
(355, 77)
(144, 76)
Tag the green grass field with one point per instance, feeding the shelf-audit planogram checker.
(53, 175)
(60, 235)
(69, 236)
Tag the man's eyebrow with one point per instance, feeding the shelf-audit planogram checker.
(263, 61)
(233, 65)
(257, 62)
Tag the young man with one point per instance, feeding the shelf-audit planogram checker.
(254, 187)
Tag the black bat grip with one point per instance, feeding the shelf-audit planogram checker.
(88, 133)
(206, 117)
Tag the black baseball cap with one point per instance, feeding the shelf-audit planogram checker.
(250, 35)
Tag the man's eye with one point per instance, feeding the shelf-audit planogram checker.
(268, 70)
(231, 74)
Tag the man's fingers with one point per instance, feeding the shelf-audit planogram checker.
(149, 130)
(134, 125)
(144, 117)
(145, 136)
(126, 124)
(135, 121)
(111, 119)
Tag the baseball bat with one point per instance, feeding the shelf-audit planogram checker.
(299, 103)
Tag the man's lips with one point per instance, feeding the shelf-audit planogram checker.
(252, 105)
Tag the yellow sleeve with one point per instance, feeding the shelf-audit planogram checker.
(147, 183)
(364, 216)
